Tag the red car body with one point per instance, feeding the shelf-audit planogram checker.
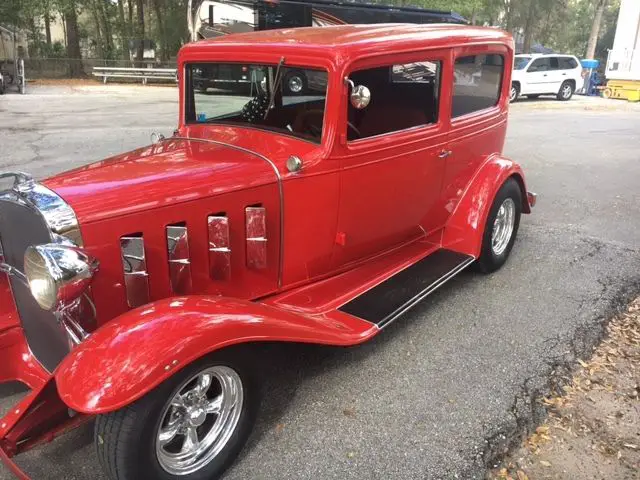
(355, 215)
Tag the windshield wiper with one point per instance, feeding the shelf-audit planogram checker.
(276, 84)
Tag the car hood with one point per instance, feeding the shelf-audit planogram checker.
(170, 172)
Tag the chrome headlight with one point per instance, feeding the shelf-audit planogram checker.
(57, 274)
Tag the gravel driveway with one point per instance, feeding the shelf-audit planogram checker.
(444, 390)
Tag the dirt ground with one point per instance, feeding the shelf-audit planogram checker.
(593, 428)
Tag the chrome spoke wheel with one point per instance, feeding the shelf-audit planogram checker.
(566, 91)
(199, 420)
(503, 226)
(295, 84)
(513, 93)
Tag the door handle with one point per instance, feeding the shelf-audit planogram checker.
(444, 154)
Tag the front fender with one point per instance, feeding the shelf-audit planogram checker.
(464, 229)
(132, 354)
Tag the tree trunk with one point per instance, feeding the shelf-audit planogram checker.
(47, 28)
(106, 28)
(96, 21)
(529, 27)
(124, 33)
(140, 30)
(595, 28)
(162, 34)
(73, 41)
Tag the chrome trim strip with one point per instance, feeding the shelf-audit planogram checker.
(179, 259)
(280, 189)
(426, 292)
(219, 247)
(134, 265)
(256, 237)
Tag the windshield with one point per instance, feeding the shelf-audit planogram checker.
(286, 99)
(520, 62)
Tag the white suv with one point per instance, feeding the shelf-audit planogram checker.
(549, 74)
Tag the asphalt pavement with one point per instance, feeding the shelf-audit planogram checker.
(444, 390)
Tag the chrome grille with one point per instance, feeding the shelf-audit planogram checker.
(22, 225)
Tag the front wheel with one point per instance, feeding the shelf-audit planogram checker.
(190, 427)
(501, 228)
(566, 91)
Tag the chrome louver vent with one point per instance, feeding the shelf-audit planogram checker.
(256, 237)
(134, 263)
(179, 261)
(219, 247)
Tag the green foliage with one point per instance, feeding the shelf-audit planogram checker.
(563, 25)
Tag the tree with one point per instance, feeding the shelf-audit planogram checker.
(73, 38)
(140, 30)
(595, 28)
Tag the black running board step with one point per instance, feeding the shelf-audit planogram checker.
(388, 300)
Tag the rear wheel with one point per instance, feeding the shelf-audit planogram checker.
(501, 228)
(190, 427)
(566, 91)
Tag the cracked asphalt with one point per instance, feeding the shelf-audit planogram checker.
(442, 392)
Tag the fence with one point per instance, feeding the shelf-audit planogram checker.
(37, 68)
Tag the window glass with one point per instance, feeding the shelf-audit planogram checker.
(567, 63)
(540, 65)
(553, 62)
(402, 96)
(520, 62)
(286, 99)
(476, 83)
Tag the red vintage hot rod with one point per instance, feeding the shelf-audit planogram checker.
(318, 214)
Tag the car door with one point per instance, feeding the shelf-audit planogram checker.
(393, 154)
(538, 77)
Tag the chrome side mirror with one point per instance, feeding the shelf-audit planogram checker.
(360, 95)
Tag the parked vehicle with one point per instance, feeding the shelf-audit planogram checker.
(137, 289)
(545, 74)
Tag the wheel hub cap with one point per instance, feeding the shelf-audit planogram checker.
(295, 84)
(199, 420)
(503, 226)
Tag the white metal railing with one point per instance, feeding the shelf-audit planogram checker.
(144, 74)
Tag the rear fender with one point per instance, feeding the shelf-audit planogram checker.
(132, 354)
(464, 229)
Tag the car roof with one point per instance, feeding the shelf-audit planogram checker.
(343, 41)
(538, 55)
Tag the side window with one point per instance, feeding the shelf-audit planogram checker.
(402, 96)
(553, 62)
(567, 63)
(540, 65)
(476, 83)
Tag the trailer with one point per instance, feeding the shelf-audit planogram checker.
(623, 61)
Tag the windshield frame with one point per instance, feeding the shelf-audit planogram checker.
(188, 115)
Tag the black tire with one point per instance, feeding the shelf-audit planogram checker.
(489, 261)
(295, 83)
(125, 439)
(532, 96)
(514, 93)
(566, 91)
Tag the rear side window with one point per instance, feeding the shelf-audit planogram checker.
(477, 82)
(567, 63)
(402, 96)
(540, 65)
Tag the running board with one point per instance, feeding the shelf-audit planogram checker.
(388, 300)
